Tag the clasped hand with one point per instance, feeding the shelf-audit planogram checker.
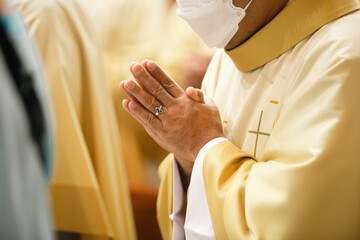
(187, 119)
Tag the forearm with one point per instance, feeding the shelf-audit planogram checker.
(186, 166)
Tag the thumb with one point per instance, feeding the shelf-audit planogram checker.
(195, 94)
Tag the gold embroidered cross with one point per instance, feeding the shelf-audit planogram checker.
(258, 133)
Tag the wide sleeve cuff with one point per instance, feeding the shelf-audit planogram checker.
(177, 216)
(198, 220)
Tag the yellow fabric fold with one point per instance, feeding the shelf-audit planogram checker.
(298, 20)
(226, 170)
(89, 189)
(165, 199)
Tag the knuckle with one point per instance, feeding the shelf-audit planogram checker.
(137, 92)
(171, 112)
(156, 91)
(135, 89)
(150, 102)
(150, 118)
(169, 84)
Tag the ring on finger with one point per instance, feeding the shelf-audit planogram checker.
(158, 110)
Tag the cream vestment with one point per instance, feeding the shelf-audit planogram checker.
(290, 167)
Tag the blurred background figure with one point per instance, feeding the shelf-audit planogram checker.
(25, 135)
(133, 30)
(89, 190)
(94, 135)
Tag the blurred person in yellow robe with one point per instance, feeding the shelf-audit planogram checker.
(130, 30)
(89, 190)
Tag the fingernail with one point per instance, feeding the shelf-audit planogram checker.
(137, 68)
(129, 84)
(122, 82)
(132, 64)
(151, 66)
(191, 89)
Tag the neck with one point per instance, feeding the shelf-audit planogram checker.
(296, 22)
(258, 15)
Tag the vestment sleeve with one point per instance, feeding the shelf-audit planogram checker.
(307, 185)
(172, 201)
(165, 197)
(89, 190)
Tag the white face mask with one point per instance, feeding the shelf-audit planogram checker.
(215, 21)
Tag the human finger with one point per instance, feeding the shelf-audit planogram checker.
(148, 128)
(146, 118)
(127, 93)
(125, 104)
(144, 62)
(195, 94)
(210, 102)
(150, 84)
(148, 101)
(165, 80)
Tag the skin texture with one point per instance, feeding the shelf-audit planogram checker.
(258, 14)
(174, 130)
(190, 119)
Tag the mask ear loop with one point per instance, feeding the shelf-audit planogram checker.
(248, 5)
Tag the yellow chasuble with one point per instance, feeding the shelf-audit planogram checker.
(288, 98)
(89, 190)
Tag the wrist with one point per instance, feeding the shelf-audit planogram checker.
(185, 169)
